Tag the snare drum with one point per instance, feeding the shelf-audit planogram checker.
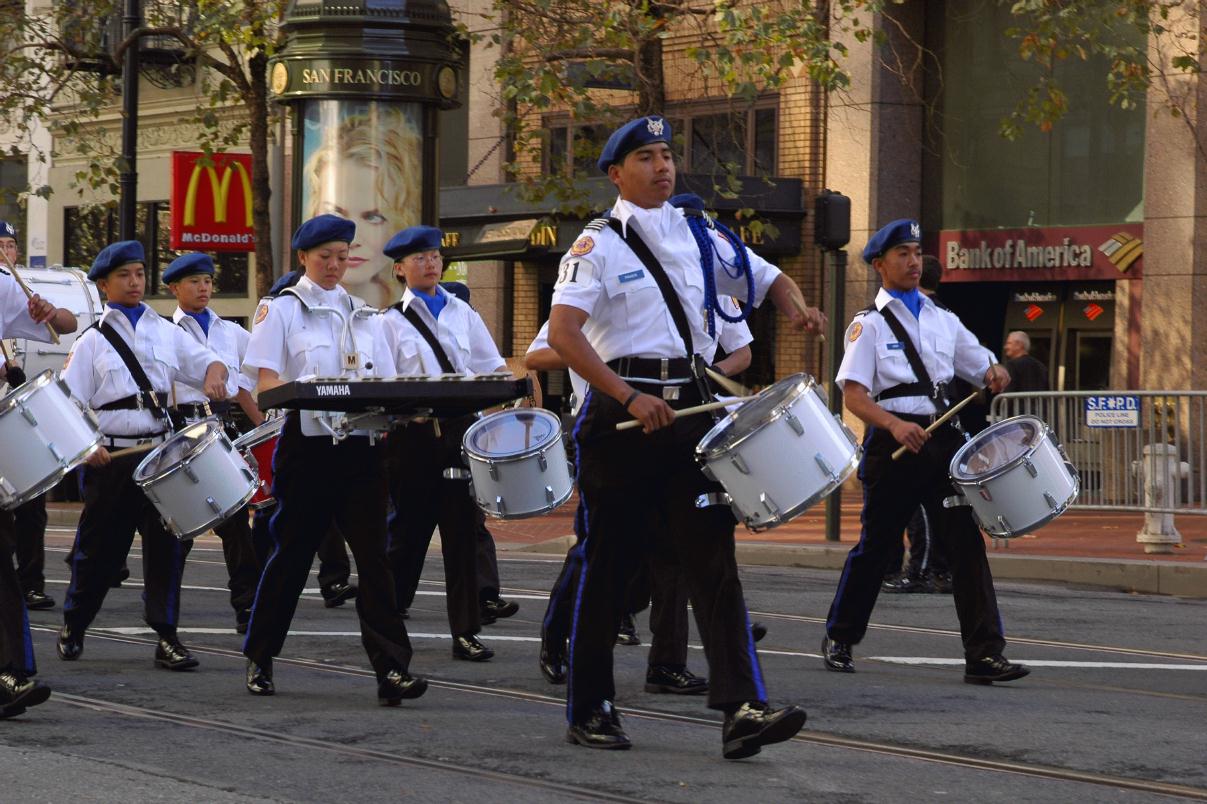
(46, 433)
(518, 463)
(1015, 476)
(778, 454)
(196, 479)
(257, 447)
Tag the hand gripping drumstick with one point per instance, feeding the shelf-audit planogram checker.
(29, 294)
(953, 410)
(800, 305)
(629, 425)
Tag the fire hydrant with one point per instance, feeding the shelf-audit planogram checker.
(1162, 474)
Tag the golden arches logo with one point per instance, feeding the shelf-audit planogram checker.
(219, 192)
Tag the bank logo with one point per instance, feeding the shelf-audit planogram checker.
(1092, 311)
(1033, 311)
(1122, 250)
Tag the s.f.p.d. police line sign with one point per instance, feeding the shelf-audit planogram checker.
(1112, 411)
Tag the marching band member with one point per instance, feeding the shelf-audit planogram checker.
(432, 332)
(639, 351)
(315, 329)
(19, 318)
(107, 369)
(190, 278)
(904, 329)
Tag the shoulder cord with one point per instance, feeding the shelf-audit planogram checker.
(699, 225)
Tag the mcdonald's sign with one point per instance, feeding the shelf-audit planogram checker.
(211, 203)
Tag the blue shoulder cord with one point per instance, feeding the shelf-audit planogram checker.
(699, 226)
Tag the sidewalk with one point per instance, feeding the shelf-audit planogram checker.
(1091, 548)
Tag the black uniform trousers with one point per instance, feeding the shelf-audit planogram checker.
(925, 555)
(113, 508)
(638, 496)
(488, 560)
(891, 492)
(318, 483)
(334, 564)
(16, 646)
(30, 524)
(243, 568)
(423, 498)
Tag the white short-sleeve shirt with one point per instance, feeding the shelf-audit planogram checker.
(228, 341)
(459, 329)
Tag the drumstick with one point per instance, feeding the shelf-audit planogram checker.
(629, 425)
(133, 450)
(735, 388)
(29, 294)
(800, 305)
(953, 410)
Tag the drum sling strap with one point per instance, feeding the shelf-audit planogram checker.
(150, 398)
(924, 386)
(419, 324)
(673, 303)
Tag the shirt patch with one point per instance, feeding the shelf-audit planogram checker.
(261, 313)
(631, 275)
(856, 331)
(582, 246)
(896, 345)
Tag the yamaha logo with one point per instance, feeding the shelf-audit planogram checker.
(332, 390)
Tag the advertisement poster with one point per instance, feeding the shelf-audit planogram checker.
(363, 160)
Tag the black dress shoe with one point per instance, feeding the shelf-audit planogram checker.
(171, 655)
(122, 575)
(18, 693)
(398, 685)
(601, 730)
(906, 584)
(758, 631)
(337, 594)
(754, 725)
(837, 655)
(468, 648)
(259, 678)
(553, 664)
(627, 635)
(940, 582)
(497, 609)
(993, 668)
(70, 644)
(242, 618)
(38, 600)
(404, 614)
(675, 680)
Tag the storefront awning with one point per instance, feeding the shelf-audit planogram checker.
(524, 239)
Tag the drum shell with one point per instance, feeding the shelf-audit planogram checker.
(70, 289)
(257, 447)
(203, 489)
(45, 434)
(524, 485)
(1011, 500)
(775, 472)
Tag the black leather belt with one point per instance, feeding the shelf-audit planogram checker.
(122, 441)
(924, 419)
(203, 410)
(140, 401)
(672, 370)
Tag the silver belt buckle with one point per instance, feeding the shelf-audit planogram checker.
(665, 371)
(670, 392)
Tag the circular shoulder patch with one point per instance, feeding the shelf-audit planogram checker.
(582, 246)
(856, 331)
(261, 313)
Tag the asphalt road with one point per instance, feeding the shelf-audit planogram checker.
(1114, 710)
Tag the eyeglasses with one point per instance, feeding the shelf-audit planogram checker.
(432, 258)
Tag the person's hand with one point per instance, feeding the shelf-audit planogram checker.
(997, 378)
(99, 458)
(909, 435)
(802, 316)
(215, 382)
(652, 412)
(40, 310)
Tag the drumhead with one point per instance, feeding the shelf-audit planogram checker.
(997, 448)
(512, 433)
(171, 453)
(256, 437)
(753, 414)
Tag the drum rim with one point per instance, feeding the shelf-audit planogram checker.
(804, 383)
(213, 431)
(50, 481)
(480, 424)
(22, 392)
(527, 514)
(792, 513)
(1045, 432)
(1037, 524)
(247, 440)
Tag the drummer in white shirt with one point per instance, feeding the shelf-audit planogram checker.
(432, 332)
(129, 417)
(190, 278)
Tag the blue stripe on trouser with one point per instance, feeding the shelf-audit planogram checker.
(582, 553)
(177, 578)
(31, 666)
(276, 544)
(856, 551)
(68, 602)
(562, 586)
(752, 654)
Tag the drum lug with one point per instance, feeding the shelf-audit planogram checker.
(549, 495)
(58, 456)
(29, 416)
(188, 472)
(8, 493)
(739, 464)
(541, 462)
(825, 467)
(771, 507)
(1004, 524)
(1031, 470)
(214, 506)
(499, 507)
(713, 498)
(954, 501)
(1050, 500)
(794, 423)
(493, 469)
(453, 473)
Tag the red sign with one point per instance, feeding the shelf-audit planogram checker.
(211, 202)
(1040, 254)
(1033, 312)
(1092, 311)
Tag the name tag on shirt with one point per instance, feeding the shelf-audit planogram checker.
(896, 345)
(631, 276)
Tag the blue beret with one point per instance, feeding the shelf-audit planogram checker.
(900, 231)
(286, 281)
(413, 239)
(458, 289)
(114, 256)
(631, 136)
(687, 201)
(323, 229)
(7, 230)
(188, 265)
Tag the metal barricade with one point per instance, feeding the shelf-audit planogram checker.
(1143, 451)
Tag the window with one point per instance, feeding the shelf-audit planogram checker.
(89, 229)
(575, 149)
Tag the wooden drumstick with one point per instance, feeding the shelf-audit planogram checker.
(953, 410)
(800, 305)
(29, 294)
(133, 450)
(629, 425)
(733, 387)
